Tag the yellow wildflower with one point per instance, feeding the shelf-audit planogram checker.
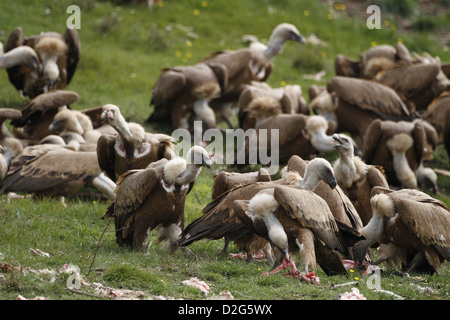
(306, 13)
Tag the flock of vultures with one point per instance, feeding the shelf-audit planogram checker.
(384, 114)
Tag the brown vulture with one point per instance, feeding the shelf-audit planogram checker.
(58, 54)
(155, 196)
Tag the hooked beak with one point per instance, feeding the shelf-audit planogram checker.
(297, 37)
(332, 182)
(206, 163)
(54, 127)
(336, 141)
(106, 114)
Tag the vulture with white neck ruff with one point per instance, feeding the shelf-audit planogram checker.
(295, 219)
(155, 196)
(400, 148)
(55, 171)
(58, 54)
(414, 227)
(249, 64)
(132, 147)
(220, 221)
(181, 94)
(355, 177)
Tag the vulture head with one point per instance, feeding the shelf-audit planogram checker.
(23, 55)
(65, 119)
(316, 170)
(111, 113)
(342, 144)
(282, 33)
(198, 157)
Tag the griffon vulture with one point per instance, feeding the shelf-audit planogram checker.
(355, 177)
(219, 220)
(55, 171)
(249, 64)
(155, 196)
(181, 95)
(58, 54)
(354, 103)
(132, 147)
(39, 112)
(414, 225)
(258, 101)
(295, 219)
(400, 148)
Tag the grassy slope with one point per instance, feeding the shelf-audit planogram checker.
(123, 48)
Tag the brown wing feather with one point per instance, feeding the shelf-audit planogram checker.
(106, 155)
(310, 211)
(132, 189)
(429, 219)
(371, 96)
(73, 55)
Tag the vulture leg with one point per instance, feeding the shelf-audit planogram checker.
(268, 252)
(225, 247)
(305, 243)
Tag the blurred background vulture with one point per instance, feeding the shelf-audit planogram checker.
(58, 55)
(48, 170)
(181, 95)
(248, 64)
(354, 103)
(415, 225)
(400, 148)
(155, 196)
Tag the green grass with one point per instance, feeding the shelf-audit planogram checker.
(123, 49)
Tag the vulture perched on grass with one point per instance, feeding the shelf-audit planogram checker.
(132, 147)
(249, 64)
(181, 95)
(295, 219)
(38, 114)
(258, 101)
(355, 177)
(220, 221)
(400, 148)
(49, 170)
(354, 103)
(58, 55)
(155, 196)
(415, 226)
